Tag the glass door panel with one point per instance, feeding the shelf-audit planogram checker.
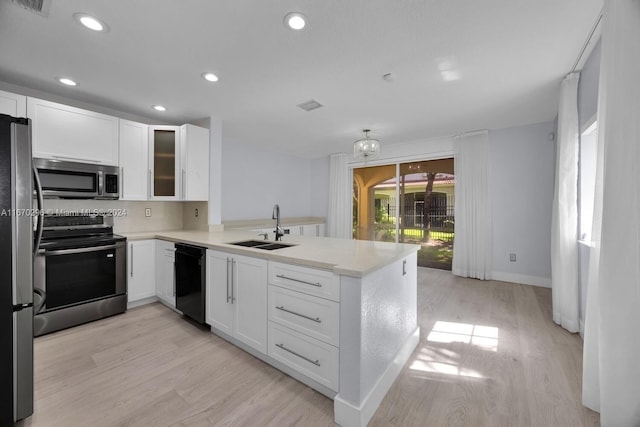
(427, 210)
(375, 203)
(164, 163)
(408, 202)
(79, 276)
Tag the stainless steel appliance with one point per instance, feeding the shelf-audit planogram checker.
(81, 265)
(190, 281)
(16, 270)
(73, 180)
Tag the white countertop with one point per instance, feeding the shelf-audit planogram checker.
(355, 258)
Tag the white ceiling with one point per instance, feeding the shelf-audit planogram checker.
(509, 55)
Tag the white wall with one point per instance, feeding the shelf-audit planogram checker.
(320, 187)
(426, 149)
(522, 168)
(522, 175)
(254, 179)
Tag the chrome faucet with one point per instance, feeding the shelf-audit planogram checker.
(276, 215)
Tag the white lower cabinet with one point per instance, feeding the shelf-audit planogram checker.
(317, 317)
(237, 297)
(165, 288)
(316, 230)
(304, 321)
(320, 283)
(141, 275)
(311, 357)
(287, 312)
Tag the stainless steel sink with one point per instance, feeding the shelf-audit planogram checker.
(262, 244)
(251, 243)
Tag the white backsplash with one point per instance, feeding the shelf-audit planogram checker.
(129, 217)
(193, 222)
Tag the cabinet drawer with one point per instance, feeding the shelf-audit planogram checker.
(312, 358)
(311, 281)
(313, 316)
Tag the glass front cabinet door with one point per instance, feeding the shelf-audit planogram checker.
(164, 162)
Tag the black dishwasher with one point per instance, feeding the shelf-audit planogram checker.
(190, 281)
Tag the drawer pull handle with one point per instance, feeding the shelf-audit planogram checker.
(282, 276)
(317, 319)
(315, 362)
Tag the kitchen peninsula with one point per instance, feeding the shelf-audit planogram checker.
(338, 315)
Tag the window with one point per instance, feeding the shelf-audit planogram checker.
(587, 179)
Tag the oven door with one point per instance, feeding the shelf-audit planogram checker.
(73, 276)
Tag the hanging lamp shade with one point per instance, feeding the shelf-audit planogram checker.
(366, 148)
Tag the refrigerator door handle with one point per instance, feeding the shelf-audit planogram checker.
(39, 198)
(43, 299)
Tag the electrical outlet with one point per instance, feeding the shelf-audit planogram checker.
(147, 212)
(512, 257)
(196, 212)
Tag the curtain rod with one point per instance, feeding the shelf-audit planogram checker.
(586, 44)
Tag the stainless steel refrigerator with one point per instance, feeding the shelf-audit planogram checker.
(16, 270)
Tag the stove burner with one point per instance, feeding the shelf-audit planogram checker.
(74, 230)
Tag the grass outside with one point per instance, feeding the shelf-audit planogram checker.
(436, 253)
(415, 234)
(435, 257)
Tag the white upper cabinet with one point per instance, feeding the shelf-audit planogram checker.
(68, 133)
(179, 162)
(164, 162)
(13, 104)
(195, 163)
(134, 160)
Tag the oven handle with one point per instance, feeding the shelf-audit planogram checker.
(82, 250)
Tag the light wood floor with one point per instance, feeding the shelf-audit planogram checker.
(489, 355)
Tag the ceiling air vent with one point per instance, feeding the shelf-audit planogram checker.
(310, 105)
(41, 7)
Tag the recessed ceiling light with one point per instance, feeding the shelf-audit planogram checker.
(159, 108)
(91, 22)
(295, 20)
(66, 81)
(210, 77)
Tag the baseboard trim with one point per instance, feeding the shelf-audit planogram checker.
(347, 414)
(544, 282)
(139, 302)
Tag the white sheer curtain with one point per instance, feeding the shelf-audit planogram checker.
(472, 247)
(611, 377)
(339, 218)
(565, 295)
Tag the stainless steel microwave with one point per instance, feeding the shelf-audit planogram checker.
(74, 180)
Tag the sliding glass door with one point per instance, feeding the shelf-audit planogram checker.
(408, 202)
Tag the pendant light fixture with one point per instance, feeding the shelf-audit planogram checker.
(366, 148)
